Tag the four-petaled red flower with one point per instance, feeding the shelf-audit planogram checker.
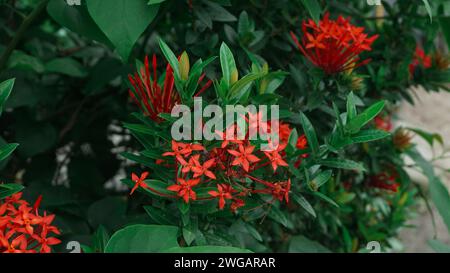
(334, 45)
(200, 170)
(184, 189)
(275, 158)
(224, 191)
(244, 156)
(178, 152)
(139, 181)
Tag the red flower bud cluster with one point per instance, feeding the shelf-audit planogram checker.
(334, 45)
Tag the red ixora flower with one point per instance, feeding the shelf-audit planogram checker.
(22, 229)
(419, 59)
(244, 156)
(334, 45)
(184, 189)
(223, 192)
(139, 181)
(152, 98)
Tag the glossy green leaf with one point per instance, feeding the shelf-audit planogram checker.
(304, 204)
(6, 150)
(122, 21)
(301, 244)
(143, 239)
(340, 163)
(362, 119)
(310, 133)
(207, 249)
(369, 135)
(5, 90)
(313, 8)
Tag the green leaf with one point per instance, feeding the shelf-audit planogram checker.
(428, 8)
(351, 107)
(292, 142)
(242, 84)
(207, 249)
(304, 204)
(6, 150)
(253, 232)
(441, 199)
(444, 23)
(369, 135)
(428, 137)
(227, 63)
(171, 58)
(66, 66)
(153, 2)
(320, 179)
(362, 119)
(277, 215)
(5, 90)
(301, 244)
(310, 134)
(162, 217)
(7, 190)
(340, 163)
(100, 239)
(77, 19)
(439, 246)
(313, 8)
(326, 198)
(143, 239)
(122, 21)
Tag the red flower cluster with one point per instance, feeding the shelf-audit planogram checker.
(419, 59)
(22, 229)
(384, 181)
(334, 46)
(230, 167)
(152, 98)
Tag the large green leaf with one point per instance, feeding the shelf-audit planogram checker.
(122, 21)
(439, 246)
(207, 249)
(143, 239)
(301, 244)
(77, 19)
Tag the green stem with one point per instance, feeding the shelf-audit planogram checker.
(20, 32)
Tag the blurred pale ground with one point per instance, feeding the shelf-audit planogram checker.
(431, 112)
